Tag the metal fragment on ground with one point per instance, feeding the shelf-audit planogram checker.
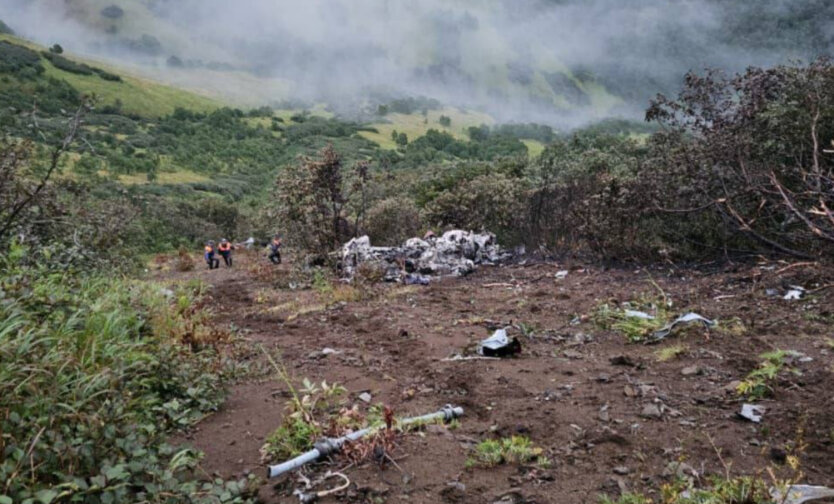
(752, 412)
(456, 253)
(638, 314)
(797, 494)
(794, 293)
(499, 345)
(688, 318)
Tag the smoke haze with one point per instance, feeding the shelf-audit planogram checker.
(553, 61)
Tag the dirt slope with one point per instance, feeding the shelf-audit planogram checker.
(393, 345)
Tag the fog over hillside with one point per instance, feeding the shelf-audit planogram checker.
(559, 61)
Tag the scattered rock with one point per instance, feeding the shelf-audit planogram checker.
(679, 469)
(622, 470)
(690, 371)
(572, 354)
(604, 415)
(651, 411)
(365, 397)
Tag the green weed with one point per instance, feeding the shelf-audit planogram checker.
(671, 352)
(724, 490)
(624, 320)
(513, 450)
(757, 383)
(311, 409)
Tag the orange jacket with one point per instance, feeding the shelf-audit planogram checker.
(209, 249)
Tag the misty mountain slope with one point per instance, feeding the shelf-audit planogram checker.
(560, 61)
(132, 95)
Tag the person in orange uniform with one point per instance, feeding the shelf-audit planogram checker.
(225, 249)
(213, 262)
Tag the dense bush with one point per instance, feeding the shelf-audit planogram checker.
(93, 377)
(392, 221)
(746, 153)
(15, 58)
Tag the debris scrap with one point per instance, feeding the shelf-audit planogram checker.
(752, 412)
(499, 345)
(689, 318)
(797, 494)
(455, 253)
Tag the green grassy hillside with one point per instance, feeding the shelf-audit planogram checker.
(135, 95)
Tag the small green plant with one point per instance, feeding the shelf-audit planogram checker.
(513, 450)
(732, 327)
(756, 384)
(671, 352)
(721, 490)
(635, 320)
(310, 410)
(320, 282)
(527, 330)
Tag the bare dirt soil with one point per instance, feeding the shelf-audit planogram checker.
(610, 415)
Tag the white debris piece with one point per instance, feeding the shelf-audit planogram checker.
(456, 253)
(637, 314)
(797, 494)
(689, 318)
(752, 412)
(795, 293)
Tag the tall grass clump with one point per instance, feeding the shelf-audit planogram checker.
(91, 386)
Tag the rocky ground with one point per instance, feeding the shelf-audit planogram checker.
(611, 416)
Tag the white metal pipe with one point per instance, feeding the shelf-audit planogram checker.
(330, 445)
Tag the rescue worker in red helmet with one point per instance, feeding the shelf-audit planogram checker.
(225, 248)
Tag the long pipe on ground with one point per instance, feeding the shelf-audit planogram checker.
(330, 445)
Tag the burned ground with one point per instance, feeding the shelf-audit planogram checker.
(610, 415)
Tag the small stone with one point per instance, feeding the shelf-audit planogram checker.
(651, 411)
(629, 391)
(732, 387)
(328, 351)
(365, 397)
(457, 485)
(603, 378)
(621, 470)
(572, 354)
(690, 370)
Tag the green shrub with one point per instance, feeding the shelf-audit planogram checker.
(15, 58)
(512, 450)
(90, 388)
(392, 221)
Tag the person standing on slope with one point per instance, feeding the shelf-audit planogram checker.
(213, 262)
(275, 250)
(225, 249)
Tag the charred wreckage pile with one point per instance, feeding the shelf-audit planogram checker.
(455, 253)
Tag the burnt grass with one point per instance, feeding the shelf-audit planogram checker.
(577, 391)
